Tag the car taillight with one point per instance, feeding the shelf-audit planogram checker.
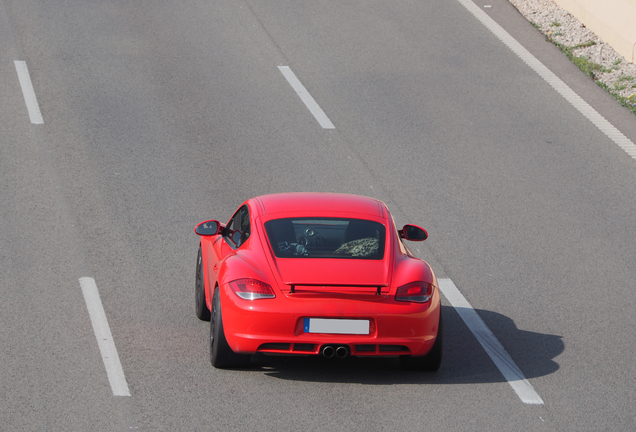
(252, 289)
(419, 292)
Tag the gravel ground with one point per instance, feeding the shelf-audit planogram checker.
(595, 57)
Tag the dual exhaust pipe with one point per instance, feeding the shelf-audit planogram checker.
(339, 351)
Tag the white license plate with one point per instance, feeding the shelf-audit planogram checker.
(336, 326)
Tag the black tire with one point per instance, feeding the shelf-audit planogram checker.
(221, 355)
(431, 361)
(201, 309)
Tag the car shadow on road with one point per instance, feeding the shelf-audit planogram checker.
(464, 360)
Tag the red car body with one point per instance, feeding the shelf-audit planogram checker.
(387, 305)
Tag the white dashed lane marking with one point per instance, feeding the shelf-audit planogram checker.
(104, 337)
(489, 342)
(304, 95)
(29, 94)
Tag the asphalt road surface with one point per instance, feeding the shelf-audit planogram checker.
(159, 114)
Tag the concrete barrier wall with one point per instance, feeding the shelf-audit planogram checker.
(614, 21)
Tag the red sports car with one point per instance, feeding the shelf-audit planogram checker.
(316, 273)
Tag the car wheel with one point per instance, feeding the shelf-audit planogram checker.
(221, 355)
(431, 361)
(202, 311)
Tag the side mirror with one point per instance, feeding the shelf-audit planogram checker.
(208, 228)
(413, 233)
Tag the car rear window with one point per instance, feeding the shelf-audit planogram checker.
(326, 238)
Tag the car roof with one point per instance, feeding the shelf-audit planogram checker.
(316, 203)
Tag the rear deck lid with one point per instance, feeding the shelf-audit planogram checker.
(334, 275)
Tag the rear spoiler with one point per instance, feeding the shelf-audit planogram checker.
(378, 288)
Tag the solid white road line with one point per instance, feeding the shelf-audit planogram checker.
(489, 342)
(575, 100)
(309, 101)
(104, 338)
(28, 92)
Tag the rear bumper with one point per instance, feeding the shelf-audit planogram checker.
(277, 325)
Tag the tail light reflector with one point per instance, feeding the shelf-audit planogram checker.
(419, 292)
(252, 289)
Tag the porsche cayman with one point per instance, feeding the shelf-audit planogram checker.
(316, 274)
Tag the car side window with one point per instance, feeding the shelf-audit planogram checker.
(237, 230)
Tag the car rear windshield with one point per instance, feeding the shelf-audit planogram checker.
(326, 238)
